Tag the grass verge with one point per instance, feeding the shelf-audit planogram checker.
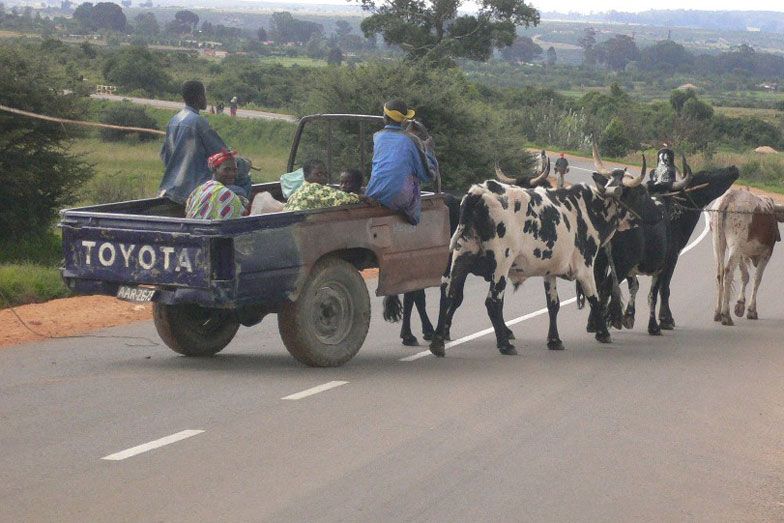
(22, 283)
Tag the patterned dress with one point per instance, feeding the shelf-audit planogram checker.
(213, 201)
(317, 196)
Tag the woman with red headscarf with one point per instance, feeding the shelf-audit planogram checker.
(213, 200)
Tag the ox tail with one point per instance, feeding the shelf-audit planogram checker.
(393, 309)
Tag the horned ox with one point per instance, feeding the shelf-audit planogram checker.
(745, 229)
(654, 248)
(394, 311)
(508, 234)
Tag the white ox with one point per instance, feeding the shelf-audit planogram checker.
(745, 229)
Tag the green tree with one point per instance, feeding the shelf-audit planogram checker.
(147, 24)
(522, 50)
(335, 56)
(107, 15)
(185, 22)
(552, 57)
(435, 29)
(468, 134)
(618, 51)
(588, 42)
(38, 173)
(135, 67)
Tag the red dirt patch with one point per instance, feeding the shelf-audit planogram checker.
(68, 317)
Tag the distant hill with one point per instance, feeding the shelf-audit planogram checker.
(764, 21)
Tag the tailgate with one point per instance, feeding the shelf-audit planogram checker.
(145, 257)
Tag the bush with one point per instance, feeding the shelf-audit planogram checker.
(615, 141)
(115, 187)
(137, 68)
(39, 174)
(128, 115)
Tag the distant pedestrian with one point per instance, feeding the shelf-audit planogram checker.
(561, 168)
(233, 106)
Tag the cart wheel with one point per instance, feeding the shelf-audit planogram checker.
(328, 323)
(193, 330)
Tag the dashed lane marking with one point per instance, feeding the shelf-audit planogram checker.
(168, 440)
(539, 312)
(314, 390)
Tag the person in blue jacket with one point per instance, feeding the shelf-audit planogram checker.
(399, 165)
(188, 143)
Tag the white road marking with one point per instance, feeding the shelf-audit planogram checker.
(534, 314)
(128, 453)
(314, 390)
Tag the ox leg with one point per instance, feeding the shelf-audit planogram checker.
(495, 310)
(653, 325)
(761, 264)
(553, 306)
(666, 321)
(740, 305)
(719, 253)
(729, 273)
(597, 311)
(452, 298)
(628, 315)
(421, 305)
(406, 335)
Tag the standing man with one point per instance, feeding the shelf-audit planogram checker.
(233, 106)
(188, 143)
(561, 168)
(399, 166)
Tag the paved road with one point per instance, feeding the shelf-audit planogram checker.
(166, 104)
(683, 426)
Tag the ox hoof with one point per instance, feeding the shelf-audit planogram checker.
(726, 319)
(653, 328)
(603, 337)
(555, 345)
(667, 325)
(508, 350)
(740, 308)
(628, 320)
(752, 315)
(428, 335)
(716, 316)
(437, 347)
(410, 340)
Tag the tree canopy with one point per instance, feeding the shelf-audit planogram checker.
(103, 15)
(437, 31)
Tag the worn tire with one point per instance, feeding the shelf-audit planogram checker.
(328, 323)
(192, 330)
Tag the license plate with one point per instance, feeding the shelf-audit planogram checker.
(128, 293)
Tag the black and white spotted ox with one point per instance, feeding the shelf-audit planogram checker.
(507, 234)
(394, 311)
(745, 230)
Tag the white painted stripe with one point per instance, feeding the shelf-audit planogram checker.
(314, 390)
(168, 440)
(534, 314)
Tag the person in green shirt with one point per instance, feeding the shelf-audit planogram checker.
(316, 194)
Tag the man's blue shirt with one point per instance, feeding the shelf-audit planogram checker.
(189, 142)
(395, 158)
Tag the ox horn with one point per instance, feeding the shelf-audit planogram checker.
(635, 182)
(687, 174)
(597, 161)
(544, 173)
(502, 177)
